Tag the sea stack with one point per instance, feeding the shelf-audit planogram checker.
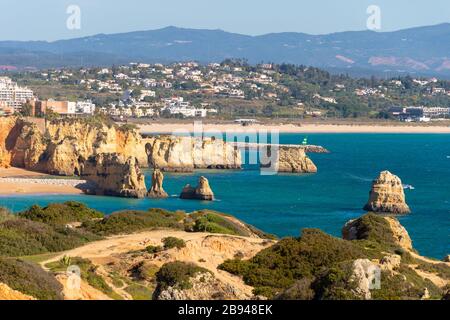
(387, 195)
(293, 160)
(113, 174)
(157, 191)
(202, 192)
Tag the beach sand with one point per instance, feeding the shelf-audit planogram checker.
(292, 128)
(28, 187)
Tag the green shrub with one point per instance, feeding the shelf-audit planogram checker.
(22, 237)
(177, 274)
(375, 228)
(144, 271)
(172, 242)
(300, 290)
(133, 221)
(278, 267)
(29, 279)
(153, 249)
(139, 292)
(61, 213)
(216, 222)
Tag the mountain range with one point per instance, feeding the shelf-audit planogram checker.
(422, 50)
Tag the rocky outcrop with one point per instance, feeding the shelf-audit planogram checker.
(203, 286)
(6, 293)
(292, 160)
(201, 192)
(363, 277)
(184, 154)
(378, 228)
(21, 143)
(114, 175)
(157, 191)
(400, 235)
(65, 144)
(390, 262)
(387, 195)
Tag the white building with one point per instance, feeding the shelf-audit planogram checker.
(177, 105)
(86, 107)
(13, 95)
(435, 112)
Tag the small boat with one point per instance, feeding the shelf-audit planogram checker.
(408, 187)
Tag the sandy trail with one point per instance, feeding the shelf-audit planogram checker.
(205, 249)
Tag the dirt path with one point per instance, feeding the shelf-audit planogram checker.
(204, 249)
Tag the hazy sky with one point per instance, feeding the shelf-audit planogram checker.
(46, 19)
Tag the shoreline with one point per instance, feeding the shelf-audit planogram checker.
(16, 181)
(167, 128)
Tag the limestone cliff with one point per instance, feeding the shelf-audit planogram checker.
(114, 175)
(201, 192)
(156, 191)
(203, 286)
(184, 154)
(387, 195)
(6, 293)
(292, 160)
(65, 144)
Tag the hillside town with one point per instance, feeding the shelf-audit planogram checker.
(221, 90)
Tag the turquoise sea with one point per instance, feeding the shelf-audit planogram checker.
(284, 204)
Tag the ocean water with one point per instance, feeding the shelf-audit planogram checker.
(284, 204)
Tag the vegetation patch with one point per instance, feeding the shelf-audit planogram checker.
(139, 292)
(29, 279)
(177, 274)
(61, 213)
(277, 268)
(5, 215)
(22, 237)
(441, 269)
(130, 221)
(172, 242)
(216, 222)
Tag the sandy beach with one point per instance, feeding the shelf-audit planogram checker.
(293, 128)
(15, 181)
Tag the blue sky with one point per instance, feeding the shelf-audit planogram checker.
(46, 19)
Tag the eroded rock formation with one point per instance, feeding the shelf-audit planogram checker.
(114, 174)
(291, 160)
(201, 192)
(368, 227)
(184, 154)
(6, 293)
(387, 195)
(203, 286)
(64, 144)
(156, 191)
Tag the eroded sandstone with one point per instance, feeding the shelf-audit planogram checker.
(387, 195)
(114, 174)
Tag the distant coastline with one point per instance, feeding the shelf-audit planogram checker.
(294, 128)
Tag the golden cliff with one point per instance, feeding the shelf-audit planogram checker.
(295, 160)
(65, 144)
(114, 175)
(184, 154)
(387, 195)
